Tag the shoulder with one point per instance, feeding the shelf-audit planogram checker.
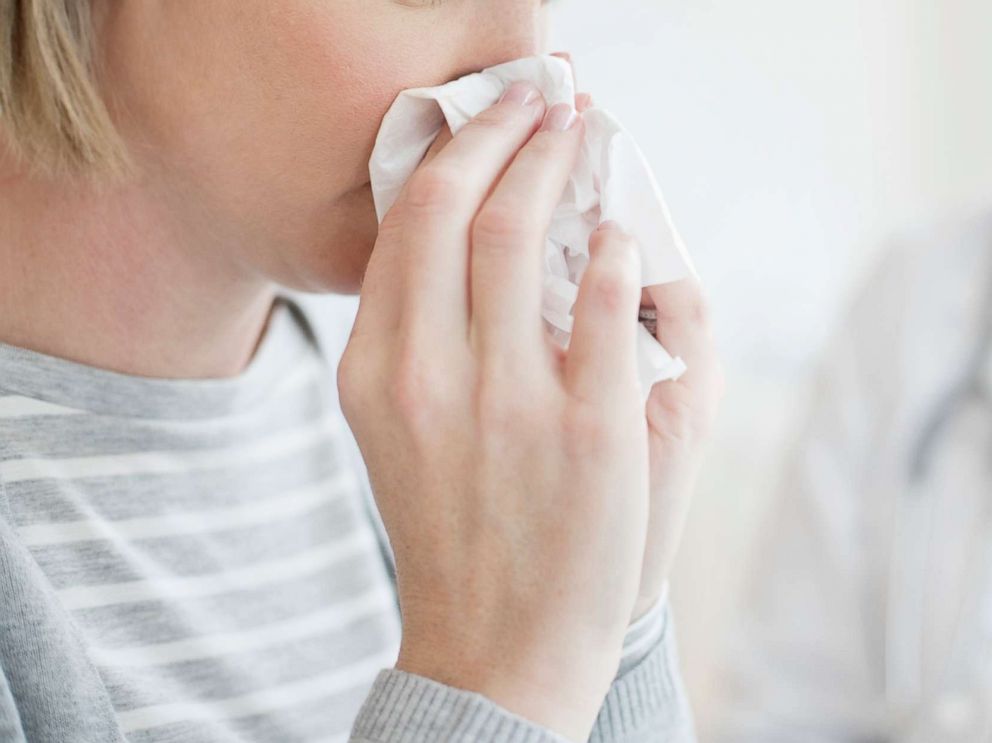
(4, 499)
(43, 659)
(5, 512)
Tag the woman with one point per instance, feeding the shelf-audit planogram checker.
(869, 614)
(183, 549)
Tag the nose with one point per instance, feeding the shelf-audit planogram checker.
(504, 31)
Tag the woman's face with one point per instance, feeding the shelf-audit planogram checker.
(253, 121)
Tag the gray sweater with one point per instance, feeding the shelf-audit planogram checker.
(202, 561)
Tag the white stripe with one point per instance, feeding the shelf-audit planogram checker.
(14, 406)
(167, 462)
(340, 615)
(360, 673)
(249, 577)
(302, 374)
(279, 507)
(342, 738)
(311, 370)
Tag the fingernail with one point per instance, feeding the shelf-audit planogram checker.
(560, 118)
(521, 92)
(609, 224)
(583, 101)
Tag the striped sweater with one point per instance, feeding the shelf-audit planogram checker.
(201, 560)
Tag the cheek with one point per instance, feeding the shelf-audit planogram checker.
(264, 130)
(329, 85)
(294, 88)
(336, 76)
(330, 108)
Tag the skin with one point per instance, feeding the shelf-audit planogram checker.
(555, 500)
(251, 124)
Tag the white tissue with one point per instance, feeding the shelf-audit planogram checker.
(611, 180)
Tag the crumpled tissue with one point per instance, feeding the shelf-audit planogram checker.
(611, 180)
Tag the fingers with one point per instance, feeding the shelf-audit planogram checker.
(508, 243)
(601, 361)
(687, 407)
(683, 321)
(423, 256)
(439, 143)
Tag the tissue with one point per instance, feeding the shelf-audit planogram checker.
(611, 180)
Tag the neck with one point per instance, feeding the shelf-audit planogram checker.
(107, 278)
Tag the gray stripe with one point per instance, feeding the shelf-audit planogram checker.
(100, 562)
(213, 679)
(115, 498)
(92, 435)
(153, 621)
(207, 538)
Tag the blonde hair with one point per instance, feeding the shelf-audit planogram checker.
(51, 112)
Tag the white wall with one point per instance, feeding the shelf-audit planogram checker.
(791, 138)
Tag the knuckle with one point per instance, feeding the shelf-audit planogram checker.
(690, 307)
(613, 286)
(352, 381)
(614, 240)
(698, 309)
(701, 315)
(674, 418)
(500, 118)
(501, 224)
(432, 189)
(415, 390)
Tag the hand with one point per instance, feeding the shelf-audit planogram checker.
(512, 478)
(680, 415)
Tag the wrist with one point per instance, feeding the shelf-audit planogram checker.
(560, 691)
(647, 601)
(643, 636)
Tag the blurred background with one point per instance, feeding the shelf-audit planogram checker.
(793, 140)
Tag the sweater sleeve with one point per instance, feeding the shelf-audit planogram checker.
(49, 688)
(10, 721)
(646, 704)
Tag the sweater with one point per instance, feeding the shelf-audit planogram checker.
(202, 561)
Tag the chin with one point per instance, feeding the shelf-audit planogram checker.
(336, 261)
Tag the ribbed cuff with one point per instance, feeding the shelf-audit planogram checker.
(644, 634)
(408, 708)
(649, 699)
